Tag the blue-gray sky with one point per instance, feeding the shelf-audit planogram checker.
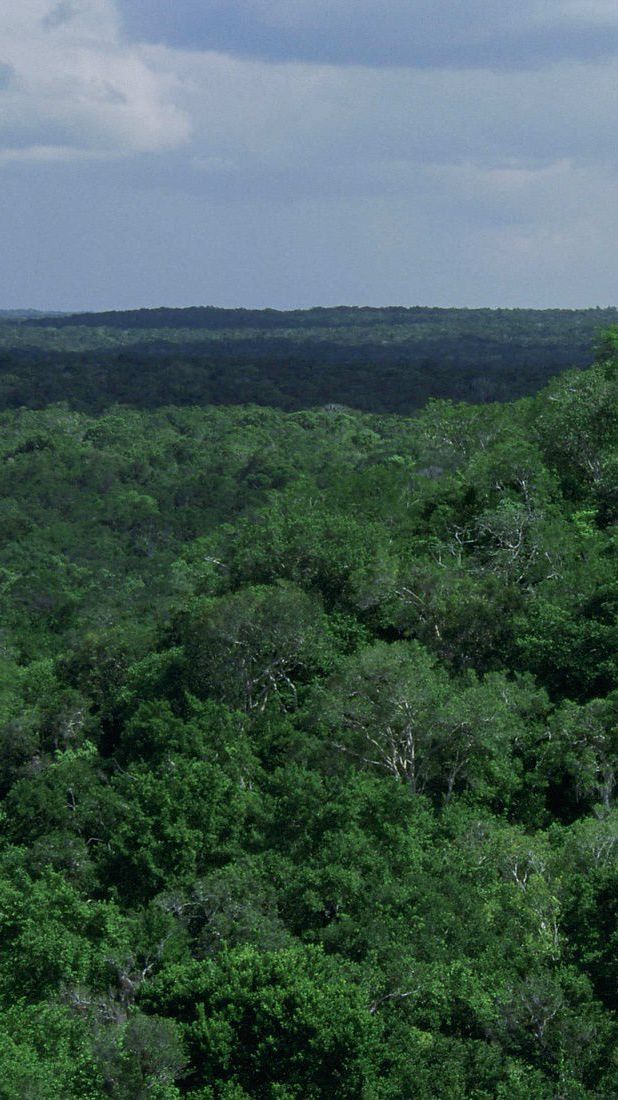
(301, 152)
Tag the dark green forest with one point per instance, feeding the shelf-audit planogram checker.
(377, 360)
(308, 706)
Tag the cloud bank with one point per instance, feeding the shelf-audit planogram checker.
(419, 33)
(73, 85)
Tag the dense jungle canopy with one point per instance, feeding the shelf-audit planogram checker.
(308, 706)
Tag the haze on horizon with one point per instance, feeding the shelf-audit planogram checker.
(263, 153)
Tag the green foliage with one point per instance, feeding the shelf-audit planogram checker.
(308, 743)
(394, 710)
(254, 646)
(291, 1023)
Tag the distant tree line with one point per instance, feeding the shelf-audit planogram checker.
(377, 360)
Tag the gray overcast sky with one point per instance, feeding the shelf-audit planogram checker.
(301, 152)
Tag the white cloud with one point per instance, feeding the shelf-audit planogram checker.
(584, 11)
(40, 154)
(71, 84)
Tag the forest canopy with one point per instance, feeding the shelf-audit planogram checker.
(308, 728)
(379, 360)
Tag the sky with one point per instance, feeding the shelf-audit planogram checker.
(290, 153)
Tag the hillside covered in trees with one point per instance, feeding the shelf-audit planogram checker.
(378, 360)
(308, 721)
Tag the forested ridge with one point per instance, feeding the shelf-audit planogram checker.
(308, 739)
(390, 360)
